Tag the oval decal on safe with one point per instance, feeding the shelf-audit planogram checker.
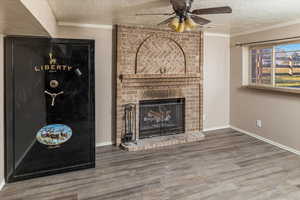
(54, 134)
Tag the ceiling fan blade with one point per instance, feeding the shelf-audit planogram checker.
(162, 14)
(200, 20)
(166, 21)
(216, 10)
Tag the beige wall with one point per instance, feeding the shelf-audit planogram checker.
(1, 112)
(216, 81)
(103, 75)
(279, 112)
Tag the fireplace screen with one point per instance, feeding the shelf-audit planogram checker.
(161, 117)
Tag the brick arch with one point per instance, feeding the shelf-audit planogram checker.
(160, 53)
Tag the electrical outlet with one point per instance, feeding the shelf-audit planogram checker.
(258, 124)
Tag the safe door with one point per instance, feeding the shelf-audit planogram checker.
(49, 101)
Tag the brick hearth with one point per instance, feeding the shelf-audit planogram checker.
(163, 141)
(159, 64)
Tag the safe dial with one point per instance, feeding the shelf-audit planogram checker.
(54, 83)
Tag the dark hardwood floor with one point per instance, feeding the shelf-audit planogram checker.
(226, 166)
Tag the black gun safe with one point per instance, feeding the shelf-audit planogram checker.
(49, 106)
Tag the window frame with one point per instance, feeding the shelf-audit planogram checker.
(272, 85)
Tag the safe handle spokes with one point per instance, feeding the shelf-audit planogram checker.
(53, 96)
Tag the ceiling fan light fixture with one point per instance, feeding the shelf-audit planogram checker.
(181, 27)
(187, 28)
(190, 23)
(174, 24)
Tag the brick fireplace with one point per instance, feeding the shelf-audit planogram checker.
(160, 73)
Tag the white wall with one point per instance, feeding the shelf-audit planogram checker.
(279, 112)
(216, 81)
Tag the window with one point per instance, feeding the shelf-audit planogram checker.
(275, 65)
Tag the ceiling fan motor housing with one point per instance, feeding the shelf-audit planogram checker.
(181, 8)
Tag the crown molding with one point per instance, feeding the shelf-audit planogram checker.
(100, 26)
(266, 28)
(110, 27)
(216, 34)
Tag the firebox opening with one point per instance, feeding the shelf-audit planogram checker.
(161, 117)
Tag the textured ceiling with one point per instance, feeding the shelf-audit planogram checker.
(15, 19)
(248, 15)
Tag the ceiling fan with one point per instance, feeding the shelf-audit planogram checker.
(185, 19)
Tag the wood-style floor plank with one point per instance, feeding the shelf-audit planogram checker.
(226, 165)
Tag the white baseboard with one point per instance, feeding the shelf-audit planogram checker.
(2, 183)
(102, 144)
(216, 128)
(295, 151)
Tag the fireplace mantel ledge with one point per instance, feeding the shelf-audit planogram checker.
(159, 76)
